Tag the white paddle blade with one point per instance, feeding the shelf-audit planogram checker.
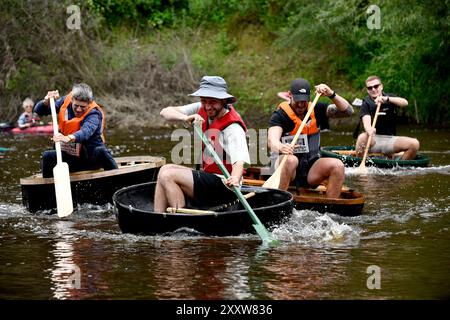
(274, 181)
(62, 189)
(361, 169)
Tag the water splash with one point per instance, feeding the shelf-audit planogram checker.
(312, 228)
(399, 171)
(9, 210)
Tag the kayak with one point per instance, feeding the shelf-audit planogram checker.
(2, 151)
(95, 186)
(349, 203)
(39, 130)
(133, 207)
(5, 126)
(348, 156)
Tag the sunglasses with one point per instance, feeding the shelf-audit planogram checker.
(373, 87)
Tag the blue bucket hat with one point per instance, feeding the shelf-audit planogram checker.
(213, 87)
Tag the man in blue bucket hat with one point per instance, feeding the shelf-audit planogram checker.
(226, 132)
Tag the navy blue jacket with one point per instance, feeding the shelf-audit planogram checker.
(90, 131)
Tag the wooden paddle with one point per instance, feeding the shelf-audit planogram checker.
(274, 181)
(263, 233)
(61, 174)
(362, 167)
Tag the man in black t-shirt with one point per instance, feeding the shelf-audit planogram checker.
(303, 163)
(384, 139)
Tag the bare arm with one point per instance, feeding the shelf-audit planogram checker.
(284, 95)
(366, 120)
(236, 174)
(398, 101)
(175, 114)
(273, 137)
(339, 101)
(275, 145)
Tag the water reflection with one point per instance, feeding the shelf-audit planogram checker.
(403, 229)
(197, 270)
(293, 272)
(65, 273)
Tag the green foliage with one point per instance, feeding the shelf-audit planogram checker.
(409, 52)
(258, 46)
(138, 13)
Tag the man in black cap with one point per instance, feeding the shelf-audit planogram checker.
(304, 165)
(226, 130)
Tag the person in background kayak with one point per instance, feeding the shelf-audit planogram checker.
(323, 111)
(384, 139)
(27, 118)
(226, 130)
(304, 165)
(81, 123)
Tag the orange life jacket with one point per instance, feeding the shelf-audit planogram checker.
(218, 124)
(308, 129)
(67, 127)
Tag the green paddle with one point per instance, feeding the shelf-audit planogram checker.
(264, 234)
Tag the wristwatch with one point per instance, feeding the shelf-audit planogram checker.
(71, 137)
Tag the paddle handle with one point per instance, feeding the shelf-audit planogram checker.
(299, 131)
(274, 181)
(225, 172)
(369, 139)
(305, 119)
(55, 130)
(188, 211)
(199, 211)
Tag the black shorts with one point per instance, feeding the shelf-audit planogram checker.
(209, 190)
(301, 176)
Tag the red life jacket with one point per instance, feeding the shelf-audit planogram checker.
(307, 129)
(67, 127)
(218, 125)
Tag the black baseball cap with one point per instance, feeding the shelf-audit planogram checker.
(300, 90)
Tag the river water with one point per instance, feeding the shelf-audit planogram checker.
(398, 249)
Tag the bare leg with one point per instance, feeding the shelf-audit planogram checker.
(289, 171)
(331, 169)
(173, 183)
(409, 145)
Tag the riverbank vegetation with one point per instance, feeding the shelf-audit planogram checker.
(140, 56)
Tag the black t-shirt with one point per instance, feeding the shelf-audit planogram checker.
(386, 124)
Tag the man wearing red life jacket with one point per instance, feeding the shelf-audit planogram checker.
(304, 165)
(81, 122)
(226, 131)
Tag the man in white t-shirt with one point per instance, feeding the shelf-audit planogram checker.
(226, 131)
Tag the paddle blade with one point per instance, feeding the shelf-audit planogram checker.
(264, 234)
(361, 169)
(62, 189)
(274, 181)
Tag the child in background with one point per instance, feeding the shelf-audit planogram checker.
(27, 118)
